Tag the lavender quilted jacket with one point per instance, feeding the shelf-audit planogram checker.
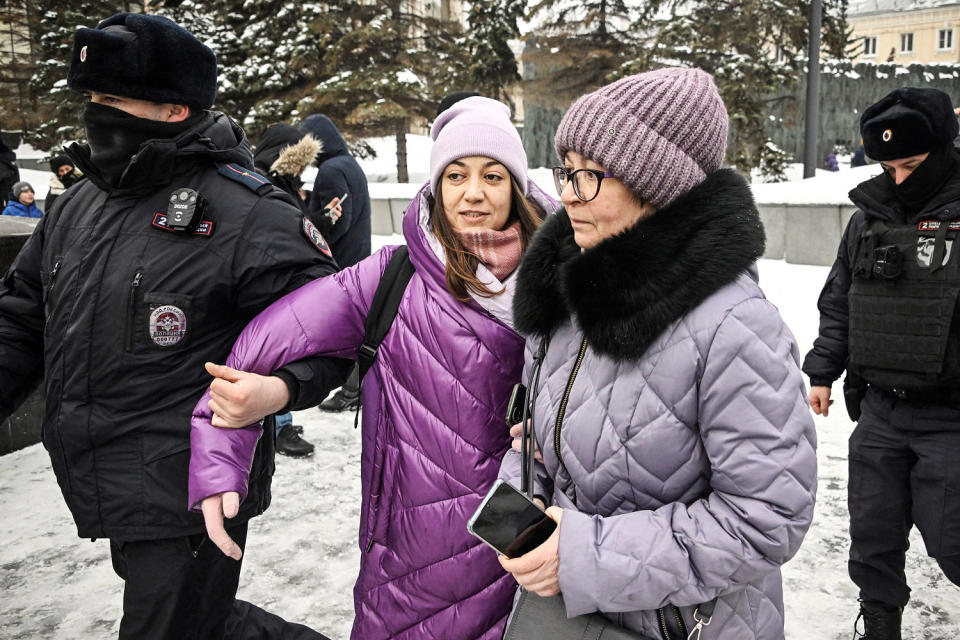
(433, 438)
(685, 460)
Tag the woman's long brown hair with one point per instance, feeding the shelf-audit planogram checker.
(461, 267)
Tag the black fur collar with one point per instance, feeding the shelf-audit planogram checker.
(625, 291)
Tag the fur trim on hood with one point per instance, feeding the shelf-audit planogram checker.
(294, 158)
(626, 290)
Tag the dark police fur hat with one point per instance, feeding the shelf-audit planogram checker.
(909, 121)
(145, 57)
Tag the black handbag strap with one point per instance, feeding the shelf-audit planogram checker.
(528, 446)
(383, 308)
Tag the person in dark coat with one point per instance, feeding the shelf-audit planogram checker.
(339, 174)
(282, 155)
(9, 173)
(141, 273)
(887, 316)
(65, 175)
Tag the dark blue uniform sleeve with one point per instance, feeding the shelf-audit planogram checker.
(828, 358)
(21, 325)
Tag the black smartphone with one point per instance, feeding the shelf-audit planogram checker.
(515, 407)
(509, 522)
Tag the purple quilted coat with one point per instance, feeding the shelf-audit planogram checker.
(685, 460)
(433, 438)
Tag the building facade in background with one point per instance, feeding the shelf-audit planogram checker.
(906, 31)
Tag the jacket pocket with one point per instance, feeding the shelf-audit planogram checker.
(49, 280)
(158, 320)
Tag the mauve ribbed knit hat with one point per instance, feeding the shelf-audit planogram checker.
(477, 127)
(660, 132)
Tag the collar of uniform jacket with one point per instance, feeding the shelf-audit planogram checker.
(215, 138)
(626, 290)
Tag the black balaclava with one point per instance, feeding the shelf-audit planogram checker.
(926, 180)
(115, 137)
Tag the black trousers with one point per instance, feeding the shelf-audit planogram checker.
(904, 471)
(185, 588)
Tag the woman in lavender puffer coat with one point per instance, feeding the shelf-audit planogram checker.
(434, 400)
(676, 447)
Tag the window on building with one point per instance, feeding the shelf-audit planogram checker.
(945, 39)
(869, 46)
(906, 43)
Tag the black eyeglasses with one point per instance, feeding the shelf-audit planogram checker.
(586, 182)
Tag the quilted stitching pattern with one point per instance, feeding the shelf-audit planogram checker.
(705, 450)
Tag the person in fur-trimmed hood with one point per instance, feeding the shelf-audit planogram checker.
(675, 451)
(282, 155)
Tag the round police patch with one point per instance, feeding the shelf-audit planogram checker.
(168, 325)
(83, 53)
(887, 135)
(315, 237)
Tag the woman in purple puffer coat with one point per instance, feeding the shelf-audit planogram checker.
(677, 451)
(434, 400)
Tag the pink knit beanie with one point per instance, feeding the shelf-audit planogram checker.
(477, 127)
(660, 133)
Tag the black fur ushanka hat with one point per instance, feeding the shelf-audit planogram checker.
(145, 57)
(907, 122)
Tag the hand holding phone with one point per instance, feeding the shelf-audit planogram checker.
(333, 211)
(509, 522)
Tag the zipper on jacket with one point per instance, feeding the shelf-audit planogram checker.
(662, 621)
(48, 306)
(679, 617)
(132, 309)
(566, 398)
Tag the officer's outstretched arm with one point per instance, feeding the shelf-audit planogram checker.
(214, 509)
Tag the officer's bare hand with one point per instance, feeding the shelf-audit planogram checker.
(214, 509)
(517, 443)
(239, 399)
(820, 400)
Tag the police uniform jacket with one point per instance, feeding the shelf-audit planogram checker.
(925, 361)
(119, 312)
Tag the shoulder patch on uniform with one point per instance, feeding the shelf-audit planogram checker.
(315, 237)
(250, 179)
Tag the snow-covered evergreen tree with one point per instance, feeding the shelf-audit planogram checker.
(492, 66)
(52, 26)
(268, 53)
(754, 48)
(384, 68)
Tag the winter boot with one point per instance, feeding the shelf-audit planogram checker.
(880, 621)
(342, 400)
(289, 442)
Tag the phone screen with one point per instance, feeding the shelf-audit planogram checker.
(509, 522)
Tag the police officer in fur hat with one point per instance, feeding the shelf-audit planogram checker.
(888, 315)
(137, 276)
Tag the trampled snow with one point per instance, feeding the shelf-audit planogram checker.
(302, 554)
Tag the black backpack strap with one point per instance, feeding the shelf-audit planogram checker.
(383, 309)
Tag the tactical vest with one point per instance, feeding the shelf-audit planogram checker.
(903, 331)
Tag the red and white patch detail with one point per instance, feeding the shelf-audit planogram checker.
(315, 237)
(168, 325)
(83, 53)
(933, 225)
(204, 228)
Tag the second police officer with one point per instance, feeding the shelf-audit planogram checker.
(888, 315)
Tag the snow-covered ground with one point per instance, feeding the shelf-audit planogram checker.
(302, 555)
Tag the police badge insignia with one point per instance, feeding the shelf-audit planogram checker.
(168, 325)
(315, 237)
